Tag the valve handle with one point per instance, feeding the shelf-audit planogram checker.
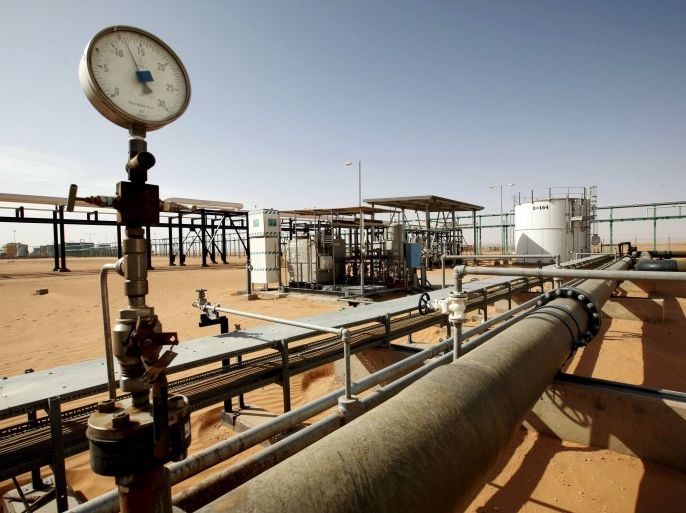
(424, 304)
(71, 199)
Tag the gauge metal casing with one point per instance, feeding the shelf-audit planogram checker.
(133, 78)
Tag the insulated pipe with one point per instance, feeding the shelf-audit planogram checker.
(207, 458)
(667, 254)
(665, 265)
(210, 456)
(201, 494)
(442, 433)
(577, 273)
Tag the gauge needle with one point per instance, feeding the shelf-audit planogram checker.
(143, 76)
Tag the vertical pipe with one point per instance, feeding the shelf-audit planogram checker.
(457, 345)
(348, 377)
(106, 324)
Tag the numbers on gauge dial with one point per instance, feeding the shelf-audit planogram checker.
(139, 76)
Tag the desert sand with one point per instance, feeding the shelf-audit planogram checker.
(536, 474)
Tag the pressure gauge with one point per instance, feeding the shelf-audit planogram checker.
(133, 78)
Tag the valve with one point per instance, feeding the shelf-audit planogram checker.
(423, 305)
(454, 305)
(96, 201)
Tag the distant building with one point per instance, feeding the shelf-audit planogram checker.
(16, 250)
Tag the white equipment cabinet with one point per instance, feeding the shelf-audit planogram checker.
(264, 227)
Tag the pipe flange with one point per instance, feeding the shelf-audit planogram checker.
(588, 303)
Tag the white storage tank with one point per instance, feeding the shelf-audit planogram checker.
(555, 225)
(264, 227)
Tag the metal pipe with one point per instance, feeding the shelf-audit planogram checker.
(476, 403)
(314, 327)
(577, 273)
(107, 329)
(228, 479)
(346, 359)
(210, 456)
(496, 257)
(195, 204)
(198, 496)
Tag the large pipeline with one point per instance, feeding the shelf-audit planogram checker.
(429, 448)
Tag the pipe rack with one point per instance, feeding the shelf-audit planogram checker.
(476, 403)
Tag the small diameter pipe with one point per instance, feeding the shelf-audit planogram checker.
(577, 273)
(457, 345)
(105, 302)
(345, 338)
(497, 257)
(344, 333)
(357, 468)
(210, 456)
(208, 307)
(223, 482)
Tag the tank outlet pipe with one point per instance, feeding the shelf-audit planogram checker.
(548, 272)
(387, 460)
(106, 324)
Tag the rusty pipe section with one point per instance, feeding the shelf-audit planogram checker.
(442, 433)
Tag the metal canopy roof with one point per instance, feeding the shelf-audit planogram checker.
(343, 211)
(422, 203)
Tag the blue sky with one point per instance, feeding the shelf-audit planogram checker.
(440, 98)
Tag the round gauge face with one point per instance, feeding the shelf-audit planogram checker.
(133, 78)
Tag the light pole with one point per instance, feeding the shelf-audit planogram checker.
(502, 224)
(362, 236)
